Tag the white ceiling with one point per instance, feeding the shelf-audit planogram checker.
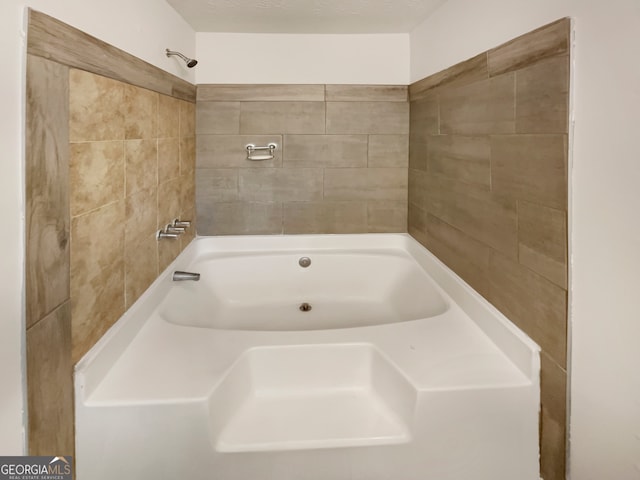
(305, 16)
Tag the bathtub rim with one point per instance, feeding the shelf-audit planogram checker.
(513, 342)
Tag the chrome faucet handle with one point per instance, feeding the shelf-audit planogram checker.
(177, 223)
(173, 229)
(162, 234)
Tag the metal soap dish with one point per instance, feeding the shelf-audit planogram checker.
(251, 149)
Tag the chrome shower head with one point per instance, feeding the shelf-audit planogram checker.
(189, 61)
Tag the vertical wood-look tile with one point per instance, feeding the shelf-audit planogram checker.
(50, 380)
(47, 187)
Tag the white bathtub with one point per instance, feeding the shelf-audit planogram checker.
(397, 371)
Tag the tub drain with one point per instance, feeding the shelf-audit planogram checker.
(305, 307)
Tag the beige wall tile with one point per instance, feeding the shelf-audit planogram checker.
(365, 184)
(463, 73)
(282, 117)
(216, 185)
(168, 250)
(169, 201)
(218, 118)
(96, 175)
(140, 113)
(268, 93)
(141, 267)
(228, 151)
(366, 93)
(187, 155)
(488, 218)
(168, 116)
(280, 185)
(386, 216)
(47, 187)
(542, 97)
(532, 302)
(417, 188)
(463, 158)
(325, 217)
(424, 117)
(530, 167)
(97, 240)
(479, 108)
(245, 218)
(187, 119)
(418, 153)
(168, 159)
(388, 151)
(141, 168)
(462, 253)
(417, 223)
(542, 241)
(50, 377)
(141, 213)
(187, 193)
(325, 151)
(96, 107)
(553, 383)
(547, 41)
(190, 233)
(95, 306)
(367, 117)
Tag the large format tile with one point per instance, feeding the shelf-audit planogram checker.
(424, 118)
(463, 73)
(489, 218)
(532, 302)
(463, 158)
(465, 255)
(368, 117)
(325, 151)
(486, 107)
(168, 116)
(96, 108)
(366, 93)
(386, 216)
(96, 175)
(141, 167)
(279, 184)
(365, 184)
(553, 384)
(141, 213)
(244, 218)
(168, 159)
(229, 151)
(542, 241)
(187, 119)
(253, 93)
(187, 155)
(542, 97)
(218, 118)
(96, 305)
(282, 117)
(98, 242)
(50, 380)
(141, 267)
(546, 41)
(140, 110)
(388, 151)
(325, 217)
(417, 188)
(216, 185)
(530, 167)
(47, 188)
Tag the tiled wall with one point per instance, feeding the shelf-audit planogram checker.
(109, 221)
(132, 164)
(340, 166)
(488, 194)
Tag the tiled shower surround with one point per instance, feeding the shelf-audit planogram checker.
(488, 194)
(340, 166)
(132, 160)
(479, 157)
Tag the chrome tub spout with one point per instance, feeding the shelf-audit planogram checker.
(179, 276)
